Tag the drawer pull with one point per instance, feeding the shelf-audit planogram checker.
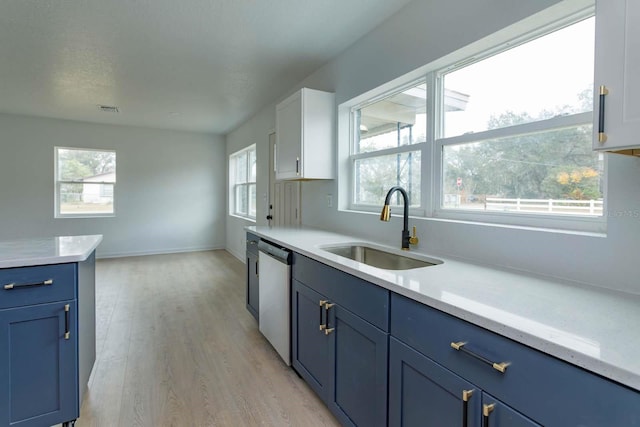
(498, 366)
(10, 286)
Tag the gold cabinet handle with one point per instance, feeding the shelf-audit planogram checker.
(498, 366)
(67, 323)
(486, 411)
(458, 345)
(322, 303)
(326, 328)
(466, 396)
(602, 136)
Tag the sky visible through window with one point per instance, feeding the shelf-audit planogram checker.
(549, 73)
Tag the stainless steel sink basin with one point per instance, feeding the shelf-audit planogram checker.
(380, 258)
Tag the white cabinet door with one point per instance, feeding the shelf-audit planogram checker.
(289, 134)
(305, 128)
(618, 68)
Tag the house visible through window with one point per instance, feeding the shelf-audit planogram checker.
(85, 182)
(242, 178)
(502, 136)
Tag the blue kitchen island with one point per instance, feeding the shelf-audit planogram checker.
(47, 328)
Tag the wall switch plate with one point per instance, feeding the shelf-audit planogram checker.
(329, 200)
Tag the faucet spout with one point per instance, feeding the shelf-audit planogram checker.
(385, 215)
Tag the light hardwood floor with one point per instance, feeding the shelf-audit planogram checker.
(177, 347)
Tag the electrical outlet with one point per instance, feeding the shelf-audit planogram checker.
(329, 200)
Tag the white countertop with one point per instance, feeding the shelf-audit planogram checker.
(590, 327)
(48, 250)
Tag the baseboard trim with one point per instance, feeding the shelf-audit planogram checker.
(240, 256)
(158, 252)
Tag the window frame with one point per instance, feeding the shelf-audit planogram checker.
(432, 191)
(419, 210)
(58, 185)
(233, 185)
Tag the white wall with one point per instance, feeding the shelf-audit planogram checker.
(170, 191)
(255, 131)
(423, 32)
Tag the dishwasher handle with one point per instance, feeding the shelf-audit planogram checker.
(278, 253)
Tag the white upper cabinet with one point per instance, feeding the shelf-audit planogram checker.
(305, 134)
(617, 69)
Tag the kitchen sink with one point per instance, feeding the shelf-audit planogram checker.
(380, 258)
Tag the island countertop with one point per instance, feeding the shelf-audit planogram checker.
(47, 250)
(590, 327)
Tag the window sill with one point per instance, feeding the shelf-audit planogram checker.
(576, 225)
(67, 216)
(246, 218)
(591, 227)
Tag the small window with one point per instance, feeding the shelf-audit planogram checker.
(85, 182)
(389, 136)
(242, 177)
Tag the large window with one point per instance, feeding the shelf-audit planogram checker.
(505, 137)
(242, 178)
(85, 182)
(522, 143)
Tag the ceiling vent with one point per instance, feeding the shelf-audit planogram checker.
(108, 108)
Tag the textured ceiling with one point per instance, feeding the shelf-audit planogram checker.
(198, 65)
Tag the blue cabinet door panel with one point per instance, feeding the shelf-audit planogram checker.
(425, 394)
(38, 370)
(358, 365)
(309, 344)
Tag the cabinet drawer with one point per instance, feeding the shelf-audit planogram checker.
(367, 300)
(550, 391)
(35, 285)
(252, 243)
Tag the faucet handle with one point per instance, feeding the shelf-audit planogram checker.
(413, 240)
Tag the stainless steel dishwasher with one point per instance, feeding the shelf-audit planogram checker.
(274, 268)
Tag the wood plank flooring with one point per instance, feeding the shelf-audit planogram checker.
(177, 347)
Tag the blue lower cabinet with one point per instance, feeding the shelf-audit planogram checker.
(310, 345)
(342, 357)
(423, 393)
(497, 414)
(358, 366)
(38, 370)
